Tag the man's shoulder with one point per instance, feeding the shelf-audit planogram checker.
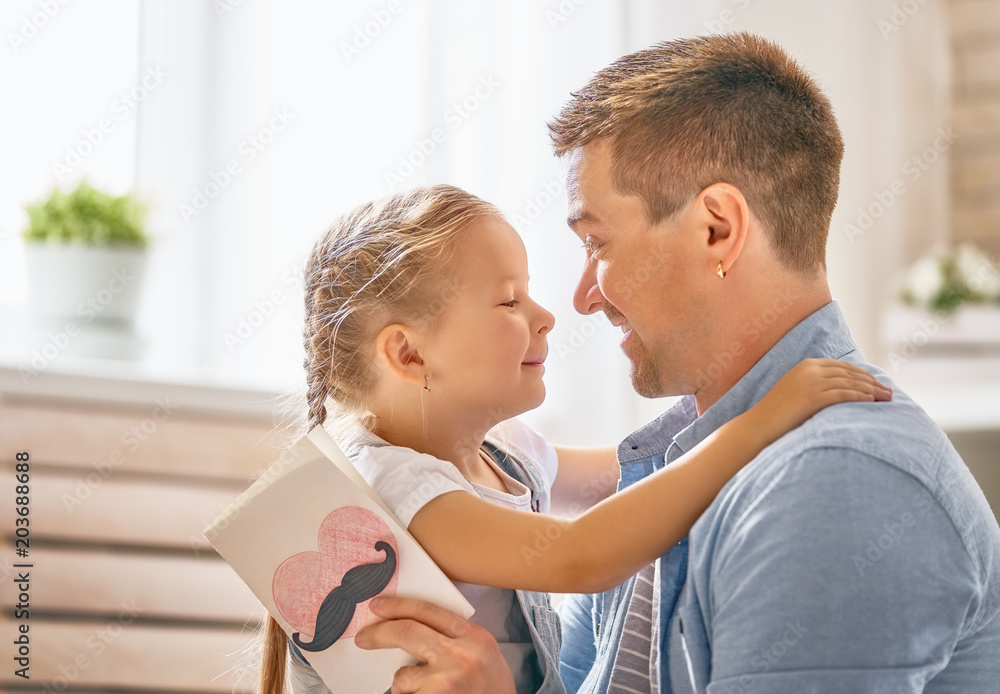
(898, 434)
(874, 463)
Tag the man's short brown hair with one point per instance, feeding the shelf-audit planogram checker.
(731, 108)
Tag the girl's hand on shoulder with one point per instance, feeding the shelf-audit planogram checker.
(813, 384)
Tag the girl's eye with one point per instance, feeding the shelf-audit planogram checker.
(511, 304)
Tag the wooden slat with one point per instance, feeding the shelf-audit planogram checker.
(977, 172)
(182, 445)
(96, 582)
(974, 17)
(976, 224)
(70, 656)
(120, 508)
(971, 118)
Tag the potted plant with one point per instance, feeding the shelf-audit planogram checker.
(86, 254)
(949, 302)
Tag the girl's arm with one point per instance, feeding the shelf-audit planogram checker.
(475, 541)
(586, 476)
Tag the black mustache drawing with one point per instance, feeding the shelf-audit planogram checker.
(359, 584)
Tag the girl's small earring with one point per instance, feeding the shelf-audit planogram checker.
(720, 272)
(428, 386)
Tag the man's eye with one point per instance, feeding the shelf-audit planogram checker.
(591, 246)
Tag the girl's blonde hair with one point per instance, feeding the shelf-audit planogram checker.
(382, 262)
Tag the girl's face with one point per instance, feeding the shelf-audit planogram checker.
(485, 355)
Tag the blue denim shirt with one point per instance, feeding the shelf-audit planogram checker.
(855, 554)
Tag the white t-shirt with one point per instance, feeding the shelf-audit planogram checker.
(406, 480)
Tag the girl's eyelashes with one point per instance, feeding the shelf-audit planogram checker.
(511, 304)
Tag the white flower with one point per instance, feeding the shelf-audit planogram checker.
(977, 271)
(924, 281)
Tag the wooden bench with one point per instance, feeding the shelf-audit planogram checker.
(125, 592)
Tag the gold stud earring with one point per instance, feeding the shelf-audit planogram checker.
(720, 272)
(427, 387)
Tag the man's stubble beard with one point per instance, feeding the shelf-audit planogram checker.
(644, 374)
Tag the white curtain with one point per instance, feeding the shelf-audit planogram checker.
(279, 116)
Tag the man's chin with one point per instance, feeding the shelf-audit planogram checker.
(645, 380)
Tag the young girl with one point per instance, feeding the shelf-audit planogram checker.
(420, 329)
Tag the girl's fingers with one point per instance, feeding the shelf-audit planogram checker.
(841, 387)
(839, 374)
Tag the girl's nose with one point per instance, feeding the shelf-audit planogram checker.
(546, 320)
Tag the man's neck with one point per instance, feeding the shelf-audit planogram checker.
(768, 324)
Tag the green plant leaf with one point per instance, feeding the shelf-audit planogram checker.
(87, 216)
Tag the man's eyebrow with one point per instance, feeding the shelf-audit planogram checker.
(578, 216)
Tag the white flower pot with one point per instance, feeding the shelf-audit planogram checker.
(973, 327)
(84, 299)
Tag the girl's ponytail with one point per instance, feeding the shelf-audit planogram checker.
(274, 657)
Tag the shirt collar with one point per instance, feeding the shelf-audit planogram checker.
(823, 334)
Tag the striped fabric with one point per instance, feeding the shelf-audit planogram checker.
(633, 670)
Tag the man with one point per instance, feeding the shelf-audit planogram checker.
(856, 554)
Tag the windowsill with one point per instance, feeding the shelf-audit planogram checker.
(104, 382)
(107, 382)
(959, 393)
(27, 375)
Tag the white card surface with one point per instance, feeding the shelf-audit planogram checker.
(294, 535)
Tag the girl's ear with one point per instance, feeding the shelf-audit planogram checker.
(395, 348)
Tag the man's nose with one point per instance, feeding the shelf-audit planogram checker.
(588, 298)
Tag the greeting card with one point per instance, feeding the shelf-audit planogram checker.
(315, 544)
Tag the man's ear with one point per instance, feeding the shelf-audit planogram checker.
(395, 348)
(724, 221)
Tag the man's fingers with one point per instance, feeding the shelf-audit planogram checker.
(407, 679)
(437, 618)
(419, 640)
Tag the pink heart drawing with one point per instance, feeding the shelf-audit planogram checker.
(347, 538)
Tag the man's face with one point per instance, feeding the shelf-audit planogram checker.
(645, 278)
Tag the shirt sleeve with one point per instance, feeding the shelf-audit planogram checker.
(406, 480)
(844, 574)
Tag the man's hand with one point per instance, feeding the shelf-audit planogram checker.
(457, 656)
